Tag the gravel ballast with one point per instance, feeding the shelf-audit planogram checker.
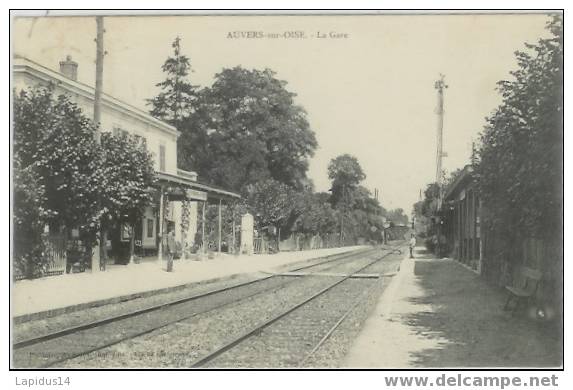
(178, 335)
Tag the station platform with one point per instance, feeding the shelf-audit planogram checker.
(49, 296)
(437, 313)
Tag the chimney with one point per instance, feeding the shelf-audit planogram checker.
(69, 68)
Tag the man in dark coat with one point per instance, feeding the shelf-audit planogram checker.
(171, 249)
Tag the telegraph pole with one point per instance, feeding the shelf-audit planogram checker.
(99, 74)
(99, 255)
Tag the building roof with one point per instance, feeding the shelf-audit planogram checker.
(25, 65)
(185, 178)
(213, 192)
(462, 180)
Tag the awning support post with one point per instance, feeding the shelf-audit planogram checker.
(234, 240)
(204, 249)
(161, 216)
(219, 228)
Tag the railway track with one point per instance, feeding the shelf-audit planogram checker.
(89, 337)
(26, 341)
(294, 335)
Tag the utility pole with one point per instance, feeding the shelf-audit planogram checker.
(99, 255)
(99, 74)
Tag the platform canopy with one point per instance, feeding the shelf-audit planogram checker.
(181, 187)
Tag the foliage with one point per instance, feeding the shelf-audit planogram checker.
(449, 180)
(345, 173)
(317, 215)
(230, 212)
(520, 160)
(182, 105)
(53, 139)
(193, 152)
(127, 180)
(185, 217)
(257, 131)
(28, 221)
(243, 129)
(424, 210)
(177, 96)
(358, 212)
(246, 133)
(397, 216)
(270, 202)
(65, 179)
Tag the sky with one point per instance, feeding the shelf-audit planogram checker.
(366, 81)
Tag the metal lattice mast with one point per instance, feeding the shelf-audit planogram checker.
(440, 85)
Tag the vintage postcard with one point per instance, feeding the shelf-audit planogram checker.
(294, 190)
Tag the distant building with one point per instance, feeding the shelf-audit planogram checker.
(159, 138)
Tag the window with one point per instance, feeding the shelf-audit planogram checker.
(150, 223)
(125, 232)
(118, 131)
(162, 158)
(141, 141)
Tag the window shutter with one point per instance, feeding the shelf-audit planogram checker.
(162, 158)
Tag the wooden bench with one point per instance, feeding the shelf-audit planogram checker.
(523, 288)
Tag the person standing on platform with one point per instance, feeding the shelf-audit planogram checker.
(412, 245)
(171, 249)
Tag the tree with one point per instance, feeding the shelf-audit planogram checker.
(57, 171)
(453, 176)
(425, 209)
(360, 198)
(360, 214)
(256, 131)
(65, 179)
(243, 129)
(29, 220)
(128, 178)
(520, 160)
(271, 203)
(176, 99)
(346, 174)
(397, 216)
(181, 104)
(317, 215)
(55, 144)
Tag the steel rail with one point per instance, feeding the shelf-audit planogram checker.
(227, 346)
(107, 320)
(154, 328)
(359, 300)
(94, 324)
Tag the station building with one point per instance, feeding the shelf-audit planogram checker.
(484, 250)
(494, 256)
(460, 220)
(174, 184)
